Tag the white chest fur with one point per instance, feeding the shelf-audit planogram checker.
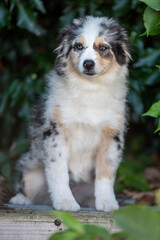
(86, 109)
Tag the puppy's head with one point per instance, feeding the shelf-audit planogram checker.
(91, 46)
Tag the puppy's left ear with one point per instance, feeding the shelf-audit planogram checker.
(121, 51)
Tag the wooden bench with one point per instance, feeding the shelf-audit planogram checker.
(27, 222)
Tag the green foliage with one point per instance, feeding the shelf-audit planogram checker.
(139, 222)
(151, 17)
(130, 175)
(70, 221)
(152, 21)
(155, 4)
(136, 222)
(152, 25)
(77, 230)
(154, 111)
(157, 195)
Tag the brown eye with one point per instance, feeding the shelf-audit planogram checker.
(79, 46)
(103, 48)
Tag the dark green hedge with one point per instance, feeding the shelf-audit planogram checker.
(27, 39)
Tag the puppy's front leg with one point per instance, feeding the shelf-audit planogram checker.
(107, 161)
(56, 169)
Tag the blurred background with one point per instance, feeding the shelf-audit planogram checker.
(28, 34)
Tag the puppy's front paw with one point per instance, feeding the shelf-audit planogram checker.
(106, 204)
(66, 205)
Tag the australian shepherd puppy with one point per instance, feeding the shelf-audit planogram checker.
(77, 130)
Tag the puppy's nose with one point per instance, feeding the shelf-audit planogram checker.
(88, 64)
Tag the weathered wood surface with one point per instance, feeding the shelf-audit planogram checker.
(22, 222)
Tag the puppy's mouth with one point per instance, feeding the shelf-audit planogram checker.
(89, 73)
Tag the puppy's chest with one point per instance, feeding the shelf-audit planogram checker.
(83, 147)
(95, 110)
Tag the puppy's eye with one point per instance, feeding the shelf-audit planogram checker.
(79, 46)
(103, 47)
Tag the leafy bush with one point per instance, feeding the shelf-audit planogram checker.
(152, 25)
(154, 111)
(28, 36)
(136, 222)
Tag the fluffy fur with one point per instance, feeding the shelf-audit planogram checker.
(77, 129)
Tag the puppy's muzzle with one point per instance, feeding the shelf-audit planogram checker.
(89, 67)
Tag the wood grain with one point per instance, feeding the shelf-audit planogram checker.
(27, 222)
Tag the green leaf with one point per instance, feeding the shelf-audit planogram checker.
(158, 128)
(38, 4)
(27, 19)
(157, 195)
(130, 171)
(12, 4)
(139, 222)
(150, 59)
(155, 4)
(158, 66)
(94, 232)
(154, 110)
(3, 16)
(152, 21)
(66, 235)
(121, 7)
(70, 221)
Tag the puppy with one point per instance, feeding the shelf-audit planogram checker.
(77, 131)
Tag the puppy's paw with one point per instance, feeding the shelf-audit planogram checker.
(19, 199)
(106, 204)
(66, 205)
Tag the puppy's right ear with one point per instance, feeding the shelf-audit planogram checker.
(64, 42)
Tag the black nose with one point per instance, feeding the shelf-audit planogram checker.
(88, 64)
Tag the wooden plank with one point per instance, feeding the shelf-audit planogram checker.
(27, 222)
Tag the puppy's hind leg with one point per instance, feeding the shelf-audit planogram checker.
(20, 198)
(33, 185)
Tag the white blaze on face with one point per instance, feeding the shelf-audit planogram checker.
(90, 33)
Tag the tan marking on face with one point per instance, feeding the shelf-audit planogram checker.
(82, 40)
(104, 58)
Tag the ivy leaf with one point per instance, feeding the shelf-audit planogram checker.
(155, 4)
(151, 21)
(3, 16)
(154, 110)
(158, 128)
(139, 222)
(38, 4)
(27, 19)
(67, 235)
(158, 66)
(96, 232)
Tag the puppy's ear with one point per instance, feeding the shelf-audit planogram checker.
(64, 41)
(122, 52)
